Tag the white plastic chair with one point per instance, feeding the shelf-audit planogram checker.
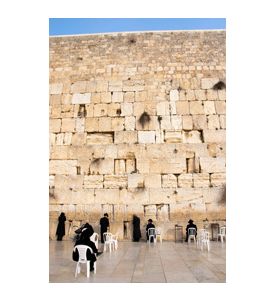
(158, 234)
(205, 240)
(94, 238)
(200, 236)
(191, 234)
(82, 251)
(151, 234)
(114, 241)
(108, 241)
(222, 233)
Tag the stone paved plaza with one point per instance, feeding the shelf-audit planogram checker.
(143, 263)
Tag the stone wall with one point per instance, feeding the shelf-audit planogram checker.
(137, 125)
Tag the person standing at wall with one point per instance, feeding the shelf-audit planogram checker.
(104, 225)
(60, 230)
(136, 228)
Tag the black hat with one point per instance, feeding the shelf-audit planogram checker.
(106, 215)
(150, 220)
(190, 221)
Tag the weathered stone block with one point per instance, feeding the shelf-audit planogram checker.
(187, 122)
(192, 136)
(220, 107)
(130, 165)
(129, 97)
(152, 181)
(55, 125)
(199, 122)
(92, 124)
(52, 138)
(66, 167)
(79, 87)
(99, 138)
(69, 182)
(190, 95)
(185, 180)
(55, 100)
(115, 181)
(135, 181)
(67, 138)
(117, 124)
(165, 123)
(182, 107)
(105, 97)
(176, 122)
(80, 125)
(214, 136)
(196, 108)
(141, 96)
(110, 151)
(163, 108)
(169, 181)
(101, 86)
(102, 166)
(130, 123)
(221, 94)
(212, 95)
(105, 124)
(126, 109)
(56, 88)
(223, 121)
(143, 166)
(117, 97)
(90, 86)
(200, 95)
(208, 83)
(146, 137)
(212, 165)
(120, 166)
(81, 98)
(209, 107)
(125, 137)
(201, 180)
(115, 86)
(173, 136)
(68, 125)
(213, 122)
(174, 95)
(104, 196)
(78, 139)
(218, 179)
(100, 110)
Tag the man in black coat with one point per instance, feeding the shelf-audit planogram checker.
(60, 230)
(190, 225)
(104, 225)
(149, 225)
(84, 239)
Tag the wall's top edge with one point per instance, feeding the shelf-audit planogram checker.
(133, 32)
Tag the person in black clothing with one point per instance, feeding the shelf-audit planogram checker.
(136, 228)
(60, 230)
(84, 239)
(149, 225)
(104, 225)
(190, 225)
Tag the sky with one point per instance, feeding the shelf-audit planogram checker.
(67, 26)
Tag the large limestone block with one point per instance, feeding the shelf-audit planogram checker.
(120, 166)
(170, 165)
(146, 137)
(212, 165)
(79, 87)
(93, 181)
(135, 181)
(221, 94)
(214, 136)
(91, 86)
(188, 195)
(173, 136)
(133, 85)
(127, 109)
(59, 152)
(68, 125)
(115, 86)
(209, 107)
(102, 166)
(118, 124)
(196, 107)
(100, 110)
(176, 122)
(55, 112)
(150, 211)
(220, 107)
(80, 125)
(218, 179)
(105, 124)
(125, 137)
(213, 122)
(129, 97)
(130, 165)
(192, 136)
(51, 181)
(212, 95)
(185, 180)
(130, 123)
(106, 97)
(81, 98)
(152, 181)
(56, 88)
(187, 123)
(55, 100)
(55, 125)
(200, 95)
(161, 195)
(215, 197)
(199, 122)
(104, 196)
(114, 109)
(201, 180)
(92, 124)
(69, 182)
(190, 95)
(143, 166)
(115, 181)
(67, 138)
(208, 83)
(101, 86)
(174, 95)
(223, 121)
(110, 151)
(163, 108)
(117, 97)
(99, 138)
(169, 181)
(66, 167)
(141, 96)
(165, 123)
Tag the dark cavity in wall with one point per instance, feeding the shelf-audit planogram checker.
(82, 112)
(144, 118)
(219, 86)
